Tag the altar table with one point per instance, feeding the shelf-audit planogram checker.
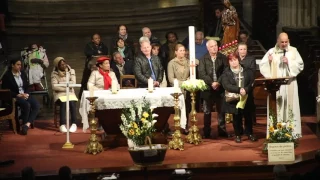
(109, 106)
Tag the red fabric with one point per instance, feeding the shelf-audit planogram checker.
(101, 59)
(106, 78)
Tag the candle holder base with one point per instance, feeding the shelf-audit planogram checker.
(94, 147)
(68, 145)
(176, 142)
(194, 136)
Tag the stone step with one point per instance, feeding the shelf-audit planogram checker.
(113, 13)
(108, 30)
(102, 22)
(85, 6)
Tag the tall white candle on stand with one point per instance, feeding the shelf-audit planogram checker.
(114, 87)
(192, 53)
(176, 86)
(150, 84)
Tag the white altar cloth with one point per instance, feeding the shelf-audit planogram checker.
(106, 100)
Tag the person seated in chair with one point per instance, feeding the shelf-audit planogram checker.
(58, 76)
(147, 66)
(36, 61)
(121, 67)
(94, 48)
(124, 50)
(101, 79)
(16, 80)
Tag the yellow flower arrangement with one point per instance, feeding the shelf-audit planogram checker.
(283, 132)
(138, 121)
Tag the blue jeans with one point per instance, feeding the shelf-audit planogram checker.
(29, 109)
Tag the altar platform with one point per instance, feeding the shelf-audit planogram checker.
(217, 157)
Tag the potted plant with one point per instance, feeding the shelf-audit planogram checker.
(138, 126)
(281, 131)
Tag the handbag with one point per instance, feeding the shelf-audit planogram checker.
(231, 97)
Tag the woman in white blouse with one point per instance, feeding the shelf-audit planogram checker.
(101, 79)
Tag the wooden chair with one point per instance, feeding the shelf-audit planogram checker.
(128, 77)
(8, 110)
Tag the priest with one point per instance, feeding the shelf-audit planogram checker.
(284, 61)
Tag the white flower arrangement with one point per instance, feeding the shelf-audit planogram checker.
(138, 122)
(193, 85)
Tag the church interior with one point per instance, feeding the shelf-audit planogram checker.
(63, 28)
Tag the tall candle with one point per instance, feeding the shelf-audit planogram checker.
(192, 51)
(114, 87)
(150, 84)
(91, 91)
(176, 86)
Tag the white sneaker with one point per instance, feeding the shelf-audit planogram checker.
(63, 129)
(73, 128)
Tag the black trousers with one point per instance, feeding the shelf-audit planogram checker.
(188, 107)
(63, 113)
(237, 122)
(207, 108)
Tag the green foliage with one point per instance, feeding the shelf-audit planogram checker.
(138, 121)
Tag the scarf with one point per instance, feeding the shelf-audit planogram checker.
(121, 51)
(123, 37)
(236, 71)
(106, 78)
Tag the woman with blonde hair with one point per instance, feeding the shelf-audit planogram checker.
(179, 68)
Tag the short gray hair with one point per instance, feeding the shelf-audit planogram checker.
(211, 41)
(144, 39)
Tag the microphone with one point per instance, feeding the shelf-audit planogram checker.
(284, 52)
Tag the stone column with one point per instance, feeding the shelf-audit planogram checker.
(297, 13)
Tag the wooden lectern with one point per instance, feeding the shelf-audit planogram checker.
(272, 85)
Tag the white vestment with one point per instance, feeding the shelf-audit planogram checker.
(287, 96)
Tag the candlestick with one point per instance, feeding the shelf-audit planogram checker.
(176, 86)
(91, 91)
(93, 147)
(194, 136)
(150, 85)
(114, 87)
(192, 52)
(176, 142)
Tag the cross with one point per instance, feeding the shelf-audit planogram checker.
(240, 79)
(192, 68)
(67, 84)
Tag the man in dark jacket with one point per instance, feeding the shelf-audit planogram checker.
(121, 67)
(147, 66)
(248, 62)
(147, 33)
(211, 67)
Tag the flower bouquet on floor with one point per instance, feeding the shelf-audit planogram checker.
(281, 131)
(138, 126)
